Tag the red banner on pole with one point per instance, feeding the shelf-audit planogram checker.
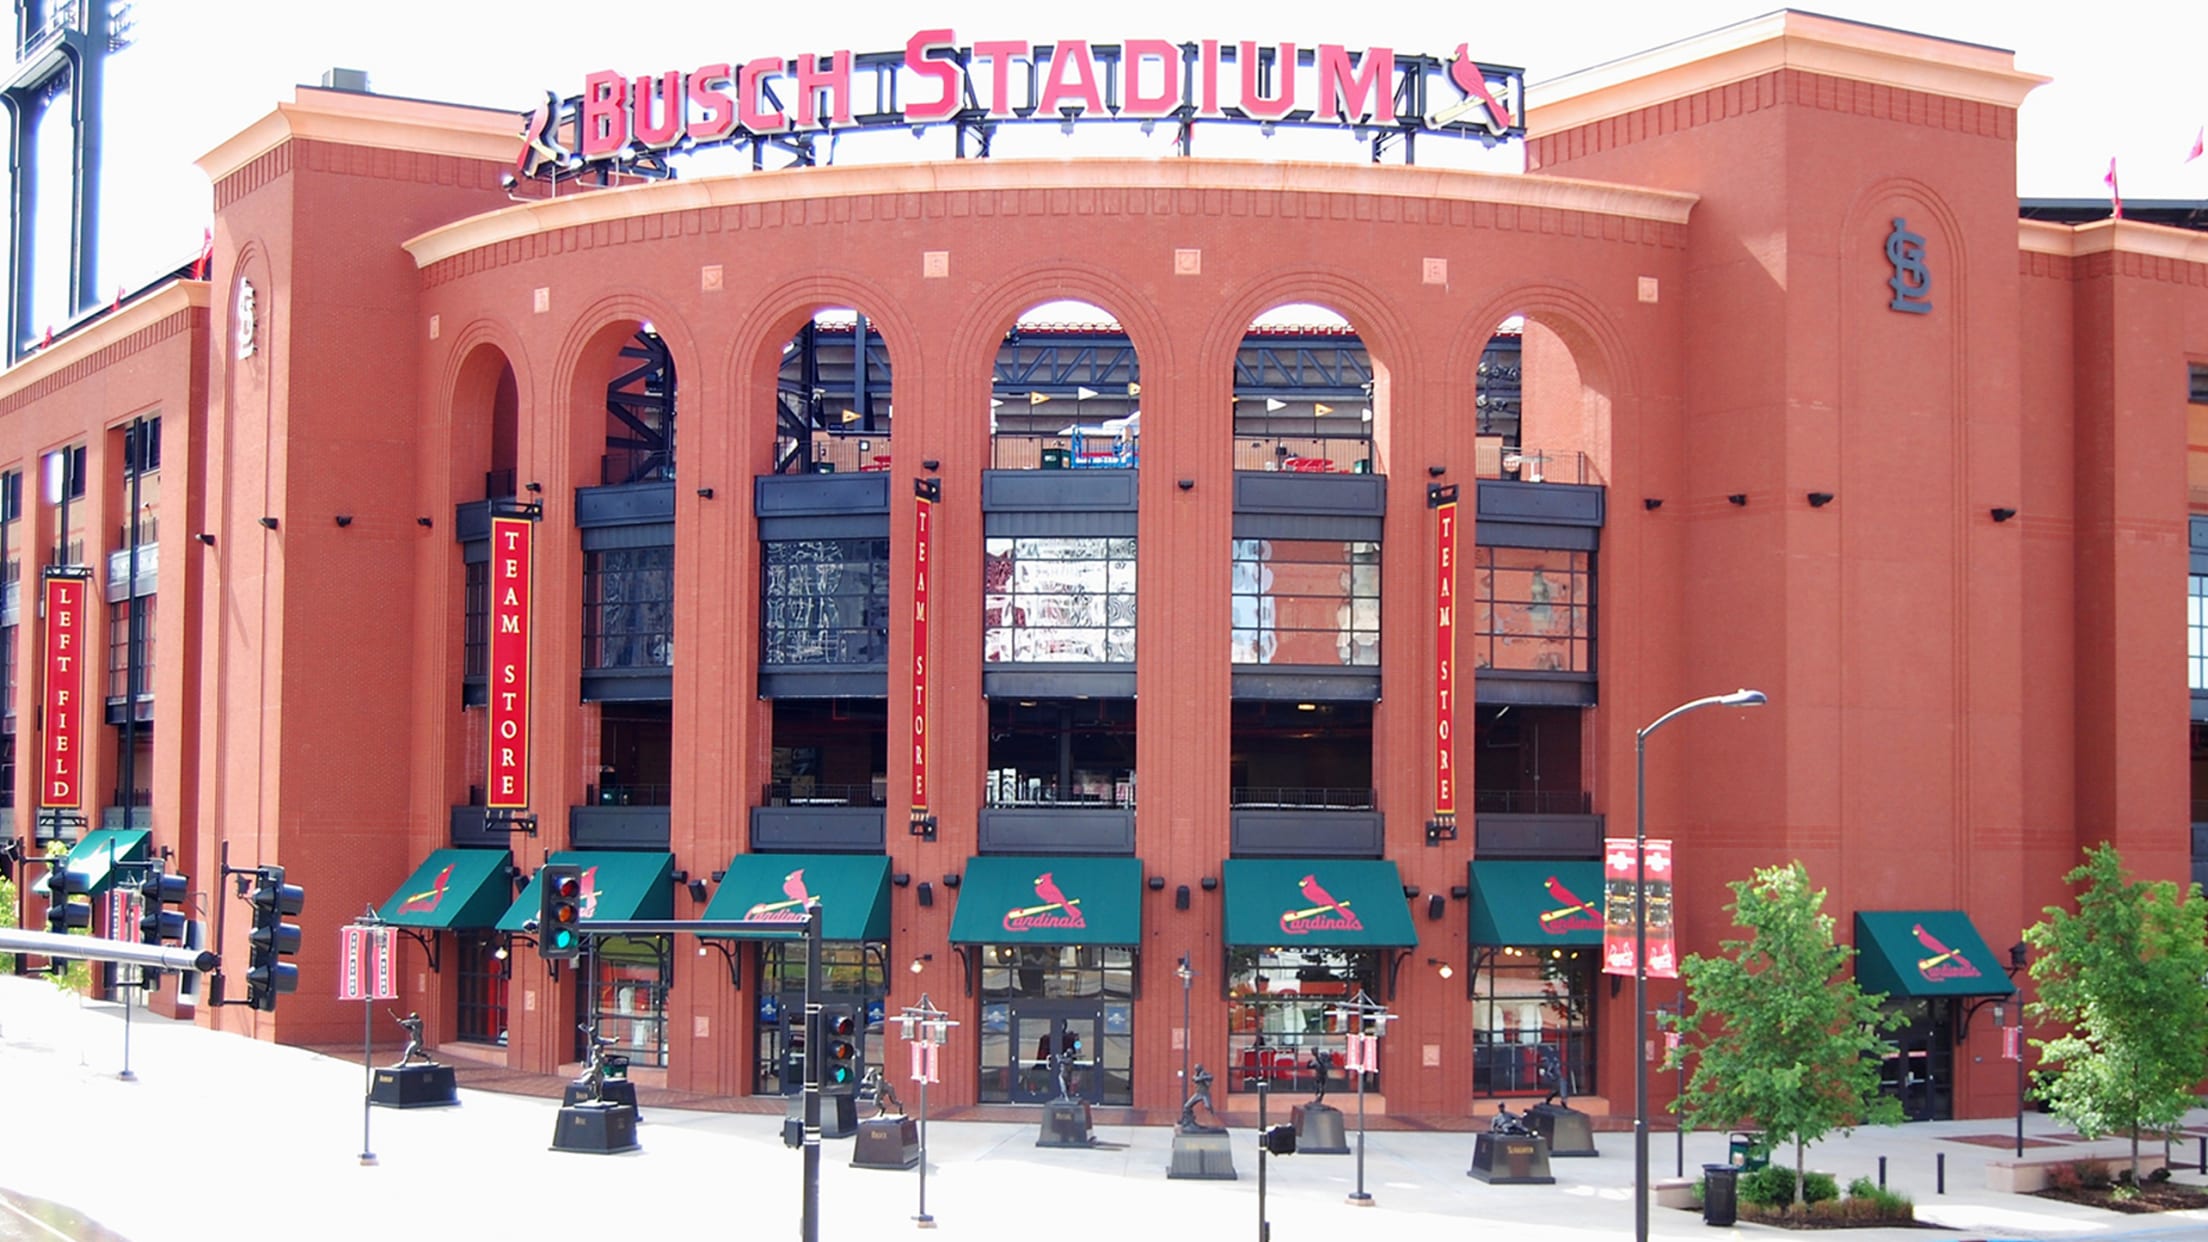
(2012, 1043)
(61, 730)
(1619, 875)
(511, 582)
(925, 504)
(924, 1060)
(1445, 658)
(348, 962)
(383, 946)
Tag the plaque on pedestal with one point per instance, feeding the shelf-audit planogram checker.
(1570, 1132)
(1319, 1130)
(1065, 1124)
(887, 1143)
(611, 1091)
(414, 1086)
(1202, 1155)
(600, 1129)
(1511, 1160)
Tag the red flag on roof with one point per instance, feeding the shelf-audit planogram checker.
(205, 263)
(49, 337)
(2115, 196)
(2200, 144)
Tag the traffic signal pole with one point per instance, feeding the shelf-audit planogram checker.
(809, 1215)
(100, 949)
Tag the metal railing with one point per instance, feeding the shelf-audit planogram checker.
(1532, 802)
(629, 795)
(1014, 450)
(1120, 796)
(1494, 458)
(814, 793)
(1304, 454)
(1298, 797)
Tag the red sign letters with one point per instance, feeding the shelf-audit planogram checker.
(510, 587)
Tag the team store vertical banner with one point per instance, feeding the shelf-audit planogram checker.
(61, 725)
(509, 620)
(925, 493)
(1618, 940)
(1444, 502)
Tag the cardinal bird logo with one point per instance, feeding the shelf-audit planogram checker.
(1472, 80)
(1323, 914)
(540, 141)
(1055, 910)
(424, 902)
(1943, 963)
(789, 910)
(1570, 913)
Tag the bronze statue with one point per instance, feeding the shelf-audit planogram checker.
(1551, 1072)
(1201, 1095)
(885, 1096)
(1064, 1061)
(412, 1024)
(1322, 1067)
(1508, 1122)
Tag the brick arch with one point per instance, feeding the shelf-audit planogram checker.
(752, 355)
(997, 308)
(589, 342)
(1588, 331)
(1387, 339)
(469, 380)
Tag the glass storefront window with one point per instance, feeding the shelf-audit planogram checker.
(825, 601)
(1531, 1005)
(850, 974)
(1280, 1010)
(483, 981)
(1040, 1000)
(2196, 632)
(1306, 601)
(1532, 609)
(630, 1003)
(1058, 600)
(629, 608)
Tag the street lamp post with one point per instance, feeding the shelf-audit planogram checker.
(928, 1029)
(1360, 1013)
(1187, 975)
(1738, 698)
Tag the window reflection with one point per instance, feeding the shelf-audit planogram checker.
(1306, 601)
(1058, 599)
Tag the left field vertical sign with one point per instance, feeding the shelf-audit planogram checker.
(511, 583)
(60, 787)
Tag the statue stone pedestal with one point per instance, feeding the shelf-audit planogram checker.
(1202, 1155)
(1569, 1131)
(1319, 1130)
(1511, 1160)
(1065, 1124)
(414, 1086)
(887, 1143)
(600, 1129)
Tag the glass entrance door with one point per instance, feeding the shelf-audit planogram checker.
(1920, 1071)
(1072, 1029)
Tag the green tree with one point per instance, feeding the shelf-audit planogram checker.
(7, 919)
(2124, 976)
(1782, 1037)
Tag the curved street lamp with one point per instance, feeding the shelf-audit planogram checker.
(1738, 698)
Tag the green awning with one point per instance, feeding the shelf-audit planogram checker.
(1536, 902)
(1912, 953)
(1319, 901)
(1049, 901)
(92, 860)
(453, 888)
(853, 891)
(615, 886)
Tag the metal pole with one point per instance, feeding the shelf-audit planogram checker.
(923, 1220)
(1264, 1229)
(2020, 1083)
(809, 1214)
(1188, 1037)
(368, 1077)
(1640, 984)
(1359, 1197)
(125, 1075)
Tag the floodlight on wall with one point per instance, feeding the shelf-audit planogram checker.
(927, 893)
(930, 463)
(697, 888)
(534, 487)
(424, 523)
(1436, 906)
(1187, 484)
(268, 523)
(1210, 883)
(950, 879)
(1410, 890)
(1738, 498)
(901, 878)
(344, 519)
(1818, 500)
(1180, 897)
(705, 493)
(1460, 891)
(205, 538)
(1652, 503)
(2003, 515)
(1437, 471)
(1155, 883)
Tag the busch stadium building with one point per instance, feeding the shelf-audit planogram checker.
(1148, 600)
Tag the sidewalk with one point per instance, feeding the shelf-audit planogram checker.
(223, 1136)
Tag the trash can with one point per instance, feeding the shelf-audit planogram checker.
(1745, 1151)
(1720, 1194)
(1054, 459)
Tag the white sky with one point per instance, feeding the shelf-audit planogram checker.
(2128, 75)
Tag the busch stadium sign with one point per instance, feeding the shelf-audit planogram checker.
(619, 120)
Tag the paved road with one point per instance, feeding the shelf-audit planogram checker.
(225, 1137)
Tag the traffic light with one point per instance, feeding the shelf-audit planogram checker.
(560, 912)
(840, 1068)
(268, 974)
(1280, 1140)
(157, 923)
(68, 906)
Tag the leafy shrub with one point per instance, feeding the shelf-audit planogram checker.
(1773, 1186)
(2092, 1174)
(2064, 1176)
(1862, 1188)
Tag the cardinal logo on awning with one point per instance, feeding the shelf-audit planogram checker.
(1570, 913)
(1944, 963)
(789, 910)
(1324, 914)
(1056, 909)
(425, 902)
